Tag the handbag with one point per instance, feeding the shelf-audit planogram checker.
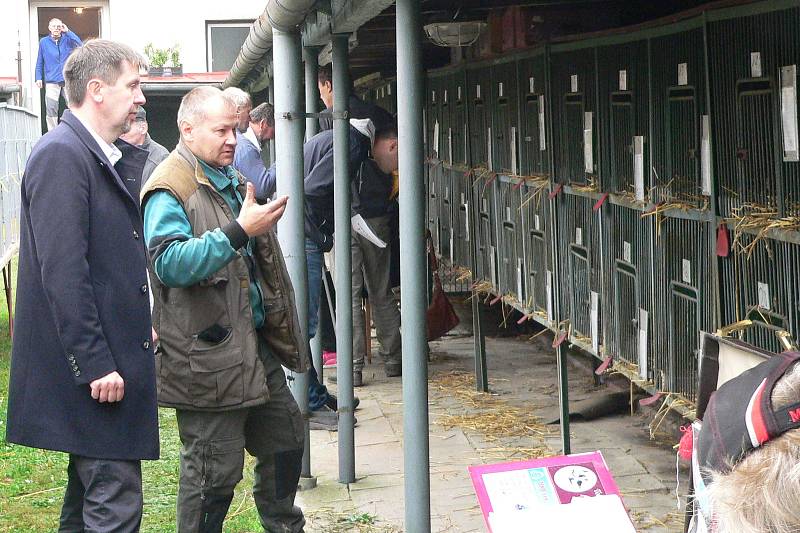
(440, 317)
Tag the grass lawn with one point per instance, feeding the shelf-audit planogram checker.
(32, 481)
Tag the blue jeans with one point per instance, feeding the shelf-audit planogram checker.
(317, 393)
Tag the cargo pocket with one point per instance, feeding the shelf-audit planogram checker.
(216, 372)
(224, 462)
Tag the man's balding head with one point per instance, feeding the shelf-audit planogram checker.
(207, 121)
(244, 104)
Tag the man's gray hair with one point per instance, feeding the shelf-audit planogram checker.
(193, 104)
(239, 97)
(264, 111)
(97, 58)
(762, 491)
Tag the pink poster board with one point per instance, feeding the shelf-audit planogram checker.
(526, 485)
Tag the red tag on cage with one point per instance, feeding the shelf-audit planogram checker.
(558, 341)
(723, 241)
(523, 319)
(497, 299)
(517, 185)
(556, 191)
(604, 365)
(600, 202)
(651, 400)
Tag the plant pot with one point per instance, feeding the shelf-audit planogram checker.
(155, 72)
(173, 71)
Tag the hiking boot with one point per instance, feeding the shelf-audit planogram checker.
(323, 418)
(358, 378)
(333, 404)
(393, 369)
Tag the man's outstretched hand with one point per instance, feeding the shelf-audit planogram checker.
(256, 219)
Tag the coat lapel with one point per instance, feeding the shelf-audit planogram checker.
(129, 167)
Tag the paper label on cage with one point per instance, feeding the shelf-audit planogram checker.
(638, 167)
(531, 85)
(549, 291)
(626, 252)
(450, 145)
(542, 138)
(579, 236)
(466, 220)
(478, 92)
(763, 296)
(536, 222)
(705, 157)
(686, 271)
(458, 92)
(381, 93)
(513, 151)
(520, 268)
(389, 90)
(573, 83)
(588, 152)
(489, 149)
(493, 266)
(594, 316)
(436, 138)
(500, 89)
(485, 205)
(445, 97)
(452, 241)
(433, 97)
(643, 328)
(623, 80)
(508, 213)
(755, 64)
(789, 113)
(683, 74)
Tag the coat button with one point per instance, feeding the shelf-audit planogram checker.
(136, 235)
(143, 288)
(77, 373)
(146, 345)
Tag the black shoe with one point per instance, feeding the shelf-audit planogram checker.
(358, 378)
(332, 404)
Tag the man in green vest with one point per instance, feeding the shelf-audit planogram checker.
(225, 315)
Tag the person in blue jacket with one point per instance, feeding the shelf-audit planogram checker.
(247, 158)
(53, 53)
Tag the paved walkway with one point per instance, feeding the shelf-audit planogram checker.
(467, 428)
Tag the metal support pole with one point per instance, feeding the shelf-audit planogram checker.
(343, 282)
(271, 96)
(310, 54)
(410, 85)
(291, 228)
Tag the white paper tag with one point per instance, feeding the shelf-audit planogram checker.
(513, 151)
(588, 152)
(683, 74)
(573, 83)
(382, 92)
(485, 205)
(531, 85)
(549, 291)
(755, 64)
(789, 113)
(626, 252)
(489, 149)
(478, 92)
(466, 139)
(493, 266)
(579, 236)
(450, 145)
(594, 316)
(536, 223)
(643, 328)
(436, 138)
(763, 296)
(467, 221)
(508, 214)
(623, 80)
(520, 295)
(542, 137)
(445, 96)
(459, 92)
(686, 270)
(500, 89)
(705, 156)
(452, 241)
(638, 167)
(433, 97)
(389, 90)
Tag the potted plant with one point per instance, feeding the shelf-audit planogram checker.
(156, 59)
(175, 68)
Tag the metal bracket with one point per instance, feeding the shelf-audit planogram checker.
(341, 115)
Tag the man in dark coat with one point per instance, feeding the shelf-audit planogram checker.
(82, 368)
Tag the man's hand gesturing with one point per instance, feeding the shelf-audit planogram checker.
(256, 219)
(109, 388)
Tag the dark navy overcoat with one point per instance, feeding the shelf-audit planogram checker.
(82, 308)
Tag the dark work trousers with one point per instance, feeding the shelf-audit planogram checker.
(212, 460)
(102, 495)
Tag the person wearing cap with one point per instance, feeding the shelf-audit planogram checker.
(745, 465)
(138, 136)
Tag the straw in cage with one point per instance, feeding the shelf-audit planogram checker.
(332, 521)
(592, 185)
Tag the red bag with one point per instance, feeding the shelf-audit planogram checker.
(441, 317)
